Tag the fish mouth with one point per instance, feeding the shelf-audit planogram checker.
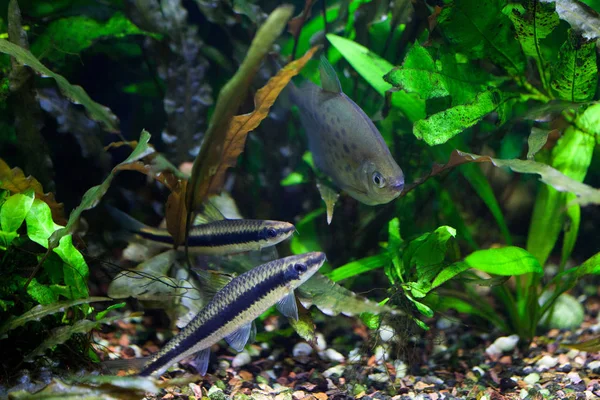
(397, 185)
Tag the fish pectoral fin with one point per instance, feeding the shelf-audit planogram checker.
(288, 307)
(238, 339)
(329, 79)
(200, 361)
(252, 337)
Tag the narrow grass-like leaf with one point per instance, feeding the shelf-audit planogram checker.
(373, 68)
(40, 311)
(504, 261)
(575, 75)
(358, 267)
(75, 93)
(14, 210)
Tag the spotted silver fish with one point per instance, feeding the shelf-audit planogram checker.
(344, 142)
(225, 236)
(233, 309)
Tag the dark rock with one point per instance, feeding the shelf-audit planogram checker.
(564, 368)
(507, 383)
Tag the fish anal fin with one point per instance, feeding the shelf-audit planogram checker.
(201, 360)
(329, 79)
(288, 307)
(238, 338)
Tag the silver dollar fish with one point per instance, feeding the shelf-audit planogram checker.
(344, 143)
(226, 236)
(232, 310)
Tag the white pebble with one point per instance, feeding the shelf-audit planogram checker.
(523, 393)
(332, 355)
(354, 356)
(379, 377)
(546, 362)
(532, 379)
(321, 342)
(302, 349)
(506, 343)
(574, 377)
(381, 355)
(401, 369)
(480, 371)
(386, 333)
(593, 365)
(241, 359)
(338, 369)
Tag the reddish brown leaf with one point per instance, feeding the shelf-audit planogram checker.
(176, 212)
(15, 181)
(225, 151)
(296, 23)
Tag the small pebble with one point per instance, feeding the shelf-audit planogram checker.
(502, 344)
(380, 377)
(434, 380)
(444, 323)
(354, 356)
(337, 370)
(332, 355)
(480, 371)
(546, 362)
(574, 377)
(594, 366)
(507, 383)
(302, 349)
(401, 369)
(321, 342)
(532, 379)
(386, 333)
(564, 368)
(241, 359)
(381, 354)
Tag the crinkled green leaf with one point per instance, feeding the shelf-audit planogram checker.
(40, 293)
(582, 18)
(426, 254)
(40, 227)
(575, 75)
(40, 311)
(92, 197)
(373, 68)
(304, 326)
(480, 30)
(72, 35)
(420, 73)
(572, 156)
(14, 210)
(358, 267)
(533, 23)
(504, 261)
(75, 93)
(444, 125)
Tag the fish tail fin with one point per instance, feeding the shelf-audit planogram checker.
(125, 220)
(130, 365)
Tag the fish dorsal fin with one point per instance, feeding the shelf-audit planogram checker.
(200, 361)
(209, 213)
(212, 281)
(288, 307)
(329, 79)
(238, 338)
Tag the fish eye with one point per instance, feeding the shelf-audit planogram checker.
(271, 232)
(300, 268)
(378, 179)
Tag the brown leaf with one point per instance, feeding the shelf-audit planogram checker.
(591, 345)
(296, 23)
(15, 181)
(225, 151)
(176, 212)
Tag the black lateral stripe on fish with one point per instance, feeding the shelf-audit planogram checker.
(344, 142)
(232, 310)
(225, 236)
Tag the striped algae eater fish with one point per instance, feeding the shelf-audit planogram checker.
(216, 237)
(234, 308)
(344, 142)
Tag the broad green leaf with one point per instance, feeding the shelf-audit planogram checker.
(6, 239)
(72, 35)
(575, 75)
(581, 17)
(14, 210)
(393, 248)
(572, 156)
(504, 261)
(590, 267)
(74, 93)
(92, 197)
(533, 23)
(430, 78)
(567, 312)
(40, 311)
(373, 68)
(40, 293)
(482, 31)
(426, 253)
(304, 326)
(444, 125)
(449, 272)
(40, 227)
(359, 267)
(371, 321)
